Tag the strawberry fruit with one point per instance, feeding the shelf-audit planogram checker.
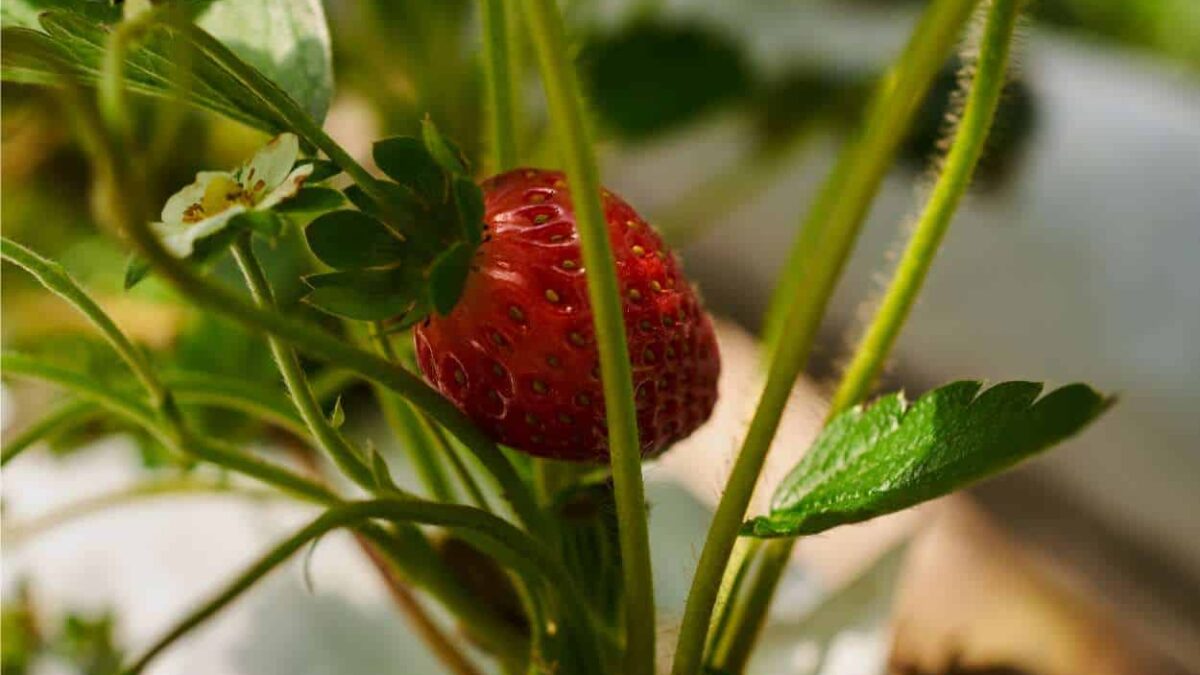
(518, 354)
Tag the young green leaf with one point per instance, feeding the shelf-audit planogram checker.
(448, 276)
(135, 270)
(380, 471)
(338, 417)
(444, 152)
(365, 295)
(407, 162)
(468, 199)
(312, 199)
(892, 456)
(266, 224)
(323, 169)
(352, 240)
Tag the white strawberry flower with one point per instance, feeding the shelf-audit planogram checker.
(205, 207)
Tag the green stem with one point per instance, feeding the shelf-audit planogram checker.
(328, 438)
(823, 246)
(336, 351)
(163, 487)
(133, 410)
(403, 420)
(52, 275)
(69, 415)
(502, 84)
(731, 654)
(567, 114)
(262, 403)
(833, 221)
(969, 140)
(519, 548)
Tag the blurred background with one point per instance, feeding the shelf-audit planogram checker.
(1074, 258)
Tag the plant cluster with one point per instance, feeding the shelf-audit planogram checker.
(554, 575)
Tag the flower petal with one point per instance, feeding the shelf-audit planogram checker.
(270, 166)
(179, 203)
(288, 188)
(181, 240)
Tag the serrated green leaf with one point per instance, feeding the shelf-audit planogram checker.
(338, 417)
(136, 269)
(448, 277)
(468, 199)
(444, 152)
(352, 240)
(366, 295)
(892, 456)
(407, 162)
(312, 199)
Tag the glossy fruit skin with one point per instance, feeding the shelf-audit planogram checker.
(518, 353)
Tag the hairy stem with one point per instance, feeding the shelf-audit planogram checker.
(329, 439)
(834, 223)
(732, 653)
(567, 114)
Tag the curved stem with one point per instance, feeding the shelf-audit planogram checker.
(328, 438)
(520, 547)
(803, 295)
(336, 351)
(502, 84)
(604, 291)
(140, 414)
(970, 136)
(832, 223)
(52, 275)
(68, 415)
(262, 403)
(18, 533)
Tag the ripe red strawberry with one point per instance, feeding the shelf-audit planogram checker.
(518, 353)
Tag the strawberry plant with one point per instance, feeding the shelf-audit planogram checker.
(527, 335)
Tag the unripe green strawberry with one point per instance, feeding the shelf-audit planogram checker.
(517, 353)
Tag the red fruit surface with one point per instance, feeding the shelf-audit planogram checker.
(518, 352)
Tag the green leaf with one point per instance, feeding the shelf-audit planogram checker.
(136, 269)
(352, 240)
(312, 199)
(448, 276)
(323, 169)
(654, 76)
(293, 54)
(266, 224)
(338, 417)
(380, 472)
(444, 152)
(407, 162)
(891, 456)
(468, 199)
(366, 295)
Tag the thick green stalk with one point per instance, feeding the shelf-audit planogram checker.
(806, 290)
(833, 221)
(502, 85)
(328, 438)
(67, 416)
(567, 114)
(518, 547)
(731, 653)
